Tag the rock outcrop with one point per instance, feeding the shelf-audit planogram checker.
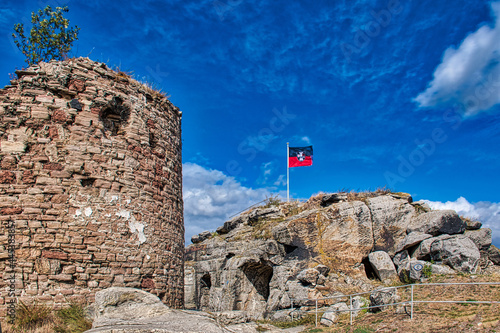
(268, 259)
(129, 310)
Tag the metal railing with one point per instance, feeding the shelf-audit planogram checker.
(410, 302)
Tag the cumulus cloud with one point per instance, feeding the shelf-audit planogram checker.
(486, 212)
(469, 76)
(210, 197)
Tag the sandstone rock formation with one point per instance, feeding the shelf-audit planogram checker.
(269, 259)
(129, 310)
(90, 176)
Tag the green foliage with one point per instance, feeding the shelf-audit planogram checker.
(50, 36)
(427, 270)
(73, 320)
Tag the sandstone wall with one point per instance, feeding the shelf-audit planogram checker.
(91, 178)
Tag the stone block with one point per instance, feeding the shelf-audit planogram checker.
(41, 113)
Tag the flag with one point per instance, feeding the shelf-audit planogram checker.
(300, 156)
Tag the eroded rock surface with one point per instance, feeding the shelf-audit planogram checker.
(270, 259)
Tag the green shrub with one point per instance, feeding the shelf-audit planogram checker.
(50, 36)
(427, 270)
(73, 319)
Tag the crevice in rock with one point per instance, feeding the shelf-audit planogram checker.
(259, 275)
(369, 271)
(372, 224)
(204, 295)
(289, 248)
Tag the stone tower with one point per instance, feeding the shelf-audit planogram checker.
(90, 185)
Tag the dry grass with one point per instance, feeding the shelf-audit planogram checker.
(434, 317)
(39, 318)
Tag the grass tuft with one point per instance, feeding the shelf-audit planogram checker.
(30, 316)
(40, 318)
(73, 319)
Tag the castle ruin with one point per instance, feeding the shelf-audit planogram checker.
(90, 185)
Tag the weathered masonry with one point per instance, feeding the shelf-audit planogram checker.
(91, 178)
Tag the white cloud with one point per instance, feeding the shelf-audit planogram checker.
(468, 76)
(210, 197)
(486, 212)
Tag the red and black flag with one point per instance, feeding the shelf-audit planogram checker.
(300, 156)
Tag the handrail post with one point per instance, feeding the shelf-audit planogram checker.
(316, 312)
(411, 313)
(292, 308)
(350, 306)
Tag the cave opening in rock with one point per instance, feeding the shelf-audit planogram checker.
(259, 275)
(289, 248)
(204, 296)
(369, 271)
(206, 281)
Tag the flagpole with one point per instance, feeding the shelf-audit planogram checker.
(287, 173)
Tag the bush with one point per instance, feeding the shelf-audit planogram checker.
(271, 201)
(73, 319)
(50, 36)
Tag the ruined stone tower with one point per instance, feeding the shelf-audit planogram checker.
(91, 185)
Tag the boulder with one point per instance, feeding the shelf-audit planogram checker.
(308, 276)
(412, 239)
(201, 237)
(472, 225)
(323, 270)
(281, 315)
(421, 205)
(383, 265)
(459, 252)
(481, 237)
(382, 296)
(321, 280)
(441, 269)
(300, 294)
(401, 258)
(403, 196)
(331, 313)
(423, 251)
(270, 213)
(494, 254)
(232, 224)
(390, 216)
(438, 222)
(412, 270)
(129, 310)
(332, 198)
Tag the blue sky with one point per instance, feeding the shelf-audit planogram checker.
(403, 94)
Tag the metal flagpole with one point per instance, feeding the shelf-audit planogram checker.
(287, 173)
